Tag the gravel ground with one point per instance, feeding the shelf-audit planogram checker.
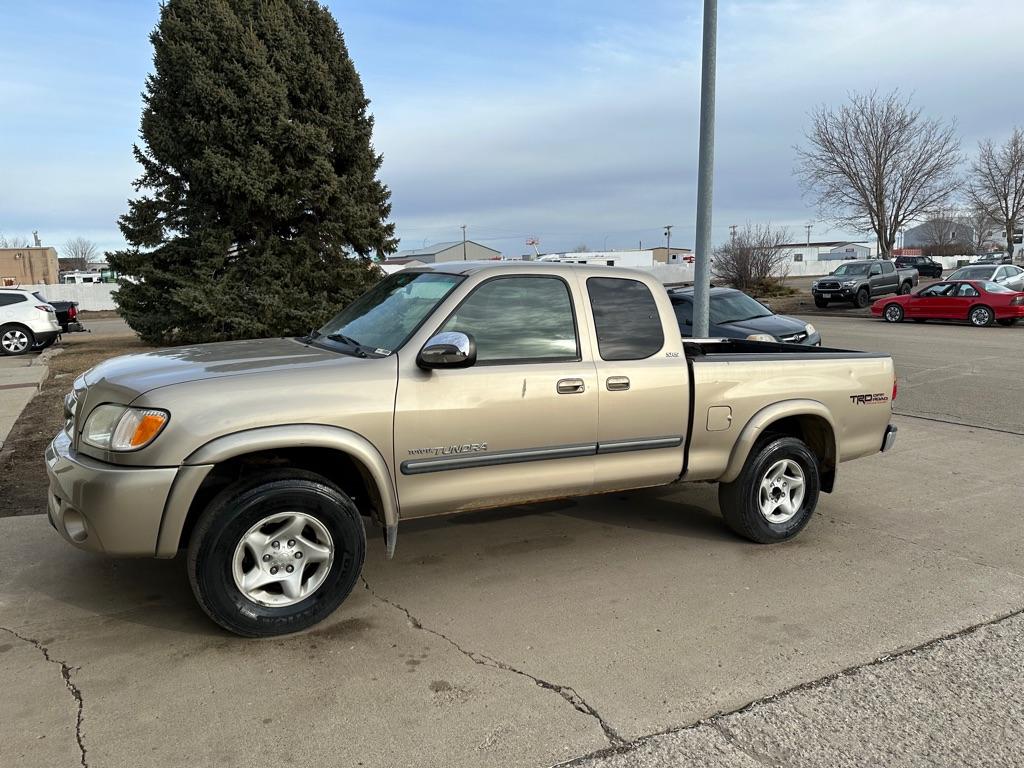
(958, 701)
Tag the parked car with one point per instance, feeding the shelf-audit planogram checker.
(25, 322)
(926, 266)
(861, 281)
(734, 315)
(446, 388)
(1010, 276)
(994, 258)
(979, 302)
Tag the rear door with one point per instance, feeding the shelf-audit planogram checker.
(643, 385)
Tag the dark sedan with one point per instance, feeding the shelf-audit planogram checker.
(734, 315)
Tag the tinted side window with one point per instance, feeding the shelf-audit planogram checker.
(887, 268)
(6, 299)
(519, 319)
(626, 318)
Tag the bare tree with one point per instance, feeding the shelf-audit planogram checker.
(981, 228)
(753, 257)
(13, 242)
(78, 252)
(876, 164)
(996, 183)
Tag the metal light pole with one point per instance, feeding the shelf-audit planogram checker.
(705, 173)
(668, 242)
(464, 242)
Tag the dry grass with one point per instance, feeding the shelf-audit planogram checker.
(22, 472)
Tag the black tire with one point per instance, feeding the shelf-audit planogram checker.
(981, 316)
(234, 512)
(862, 299)
(16, 339)
(905, 288)
(740, 502)
(893, 313)
(820, 303)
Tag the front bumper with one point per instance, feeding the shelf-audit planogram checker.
(102, 507)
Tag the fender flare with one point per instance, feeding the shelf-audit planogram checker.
(763, 419)
(198, 464)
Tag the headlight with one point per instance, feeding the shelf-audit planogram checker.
(809, 329)
(760, 337)
(814, 284)
(849, 283)
(119, 428)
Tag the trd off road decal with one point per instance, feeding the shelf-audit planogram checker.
(879, 397)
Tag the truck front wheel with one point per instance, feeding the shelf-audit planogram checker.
(276, 554)
(775, 493)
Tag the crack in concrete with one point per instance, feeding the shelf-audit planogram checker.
(74, 690)
(735, 743)
(566, 692)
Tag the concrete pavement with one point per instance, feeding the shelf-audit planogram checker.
(20, 378)
(534, 635)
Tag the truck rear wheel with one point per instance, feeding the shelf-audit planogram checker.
(276, 554)
(775, 493)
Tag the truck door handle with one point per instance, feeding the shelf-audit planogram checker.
(570, 386)
(617, 383)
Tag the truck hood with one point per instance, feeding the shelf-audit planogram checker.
(137, 374)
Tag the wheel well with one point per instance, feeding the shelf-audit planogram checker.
(350, 475)
(818, 434)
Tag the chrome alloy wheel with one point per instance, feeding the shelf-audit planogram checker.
(893, 313)
(14, 341)
(981, 316)
(782, 491)
(283, 559)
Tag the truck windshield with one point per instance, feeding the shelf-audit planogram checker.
(735, 307)
(852, 269)
(382, 319)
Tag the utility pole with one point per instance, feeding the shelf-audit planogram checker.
(464, 242)
(732, 231)
(705, 174)
(668, 242)
(808, 226)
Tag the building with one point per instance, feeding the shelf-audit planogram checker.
(440, 252)
(634, 258)
(829, 250)
(30, 265)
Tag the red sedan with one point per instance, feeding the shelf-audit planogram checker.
(979, 302)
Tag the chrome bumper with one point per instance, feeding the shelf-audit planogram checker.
(104, 508)
(889, 439)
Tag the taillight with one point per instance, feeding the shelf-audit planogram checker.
(1017, 300)
(72, 312)
(43, 308)
(895, 388)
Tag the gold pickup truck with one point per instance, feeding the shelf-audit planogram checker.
(445, 388)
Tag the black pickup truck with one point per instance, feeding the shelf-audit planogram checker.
(67, 316)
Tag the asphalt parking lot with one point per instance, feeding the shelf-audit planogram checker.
(539, 635)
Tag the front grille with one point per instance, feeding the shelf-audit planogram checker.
(828, 286)
(796, 338)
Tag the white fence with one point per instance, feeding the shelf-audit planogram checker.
(90, 296)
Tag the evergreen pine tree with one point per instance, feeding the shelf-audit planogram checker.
(259, 208)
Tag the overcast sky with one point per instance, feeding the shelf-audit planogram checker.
(574, 121)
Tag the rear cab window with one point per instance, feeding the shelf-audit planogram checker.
(626, 318)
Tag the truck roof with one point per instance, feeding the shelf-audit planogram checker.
(548, 267)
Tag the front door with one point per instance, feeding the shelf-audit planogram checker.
(520, 424)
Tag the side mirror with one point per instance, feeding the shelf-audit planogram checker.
(767, 306)
(451, 349)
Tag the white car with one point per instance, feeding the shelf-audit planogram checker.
(25, 322)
